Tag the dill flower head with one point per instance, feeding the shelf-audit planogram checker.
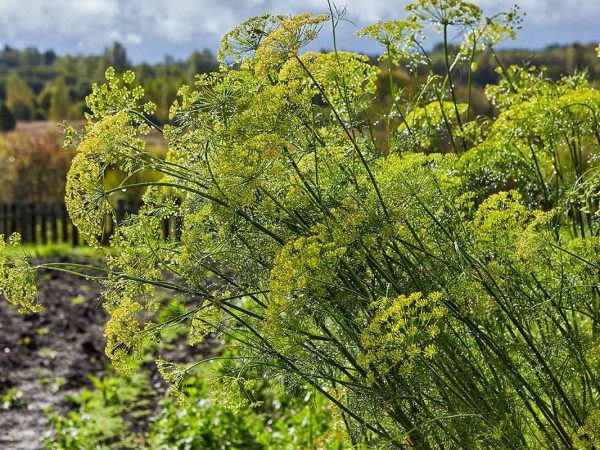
(110, 141)
(240, 43)
(323, 73)
(401, 330)
(399, 37)
(283, 43)
(445, 12)
(122, 333)
(17, 276)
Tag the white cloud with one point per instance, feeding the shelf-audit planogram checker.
(154, 26)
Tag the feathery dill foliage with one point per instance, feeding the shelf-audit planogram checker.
(438, 285)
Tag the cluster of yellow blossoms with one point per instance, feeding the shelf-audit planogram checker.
(401, 330)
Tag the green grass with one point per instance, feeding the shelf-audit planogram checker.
(58, 250)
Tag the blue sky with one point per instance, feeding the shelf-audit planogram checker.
(150, 29)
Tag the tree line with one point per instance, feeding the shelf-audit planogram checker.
(41, 85)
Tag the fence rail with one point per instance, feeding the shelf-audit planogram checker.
(44, 223)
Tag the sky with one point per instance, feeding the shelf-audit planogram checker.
(151, 29)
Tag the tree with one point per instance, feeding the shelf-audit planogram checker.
(10, 57)
(19, 98)
(7, 119)
(49, 57)
(60, 102)
(200, 62)
(116, 56)
(31, 57)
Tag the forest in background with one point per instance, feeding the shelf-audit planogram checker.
(40, 89)
(41, 85)
(37, 85)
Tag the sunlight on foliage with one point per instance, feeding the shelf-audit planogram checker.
(430, 274)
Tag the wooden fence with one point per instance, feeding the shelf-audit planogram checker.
(44, 223)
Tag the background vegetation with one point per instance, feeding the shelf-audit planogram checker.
(38, 85)
(41, 85)
(422, 260)
(45, 88)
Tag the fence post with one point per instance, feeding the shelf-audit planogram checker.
(108, 228)
(4, 221)
(33, 219)
(13, 218)
(74, 235)
(42, 210)
(121, 209)
(164, 225)
(64, 218)
(24, 222)
(53, 218)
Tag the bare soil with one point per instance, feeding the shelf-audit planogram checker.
(48, 355)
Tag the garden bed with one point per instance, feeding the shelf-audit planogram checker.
(45, 356)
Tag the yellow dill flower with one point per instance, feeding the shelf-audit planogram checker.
(401, 330)
(286, 40)
(121, 331)
(398, 37)
(85, 196)
(17, 276)
(430, 351)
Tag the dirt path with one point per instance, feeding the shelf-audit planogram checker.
(48, 355)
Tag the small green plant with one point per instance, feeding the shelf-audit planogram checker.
(98, 419)
(78, 300)
(13, 399)
(54, 384)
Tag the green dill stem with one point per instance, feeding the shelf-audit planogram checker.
(470, 78)
(449, 69)
(440, 100)
(287, 362)
(350, 136)
(502, 69)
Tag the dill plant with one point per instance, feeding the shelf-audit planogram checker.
(437, 285)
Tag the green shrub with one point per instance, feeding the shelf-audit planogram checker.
(117, 413)
(280, 421)
(34, 166)
(98, 421)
